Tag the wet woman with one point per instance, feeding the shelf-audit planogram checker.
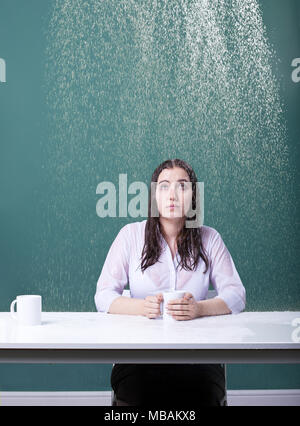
(170, 250)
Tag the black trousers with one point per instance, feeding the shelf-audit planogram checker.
(169, 385)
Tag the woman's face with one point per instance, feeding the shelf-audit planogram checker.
(173, 193)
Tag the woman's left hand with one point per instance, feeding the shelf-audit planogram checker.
(184, 309)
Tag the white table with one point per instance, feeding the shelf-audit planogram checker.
(84, 337)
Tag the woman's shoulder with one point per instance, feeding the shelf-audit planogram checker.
(208, 233)
(134, 228)
(208, 230)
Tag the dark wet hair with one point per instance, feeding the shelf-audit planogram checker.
(189, 239)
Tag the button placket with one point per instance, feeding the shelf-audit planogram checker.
(173, 274)
(172, 266)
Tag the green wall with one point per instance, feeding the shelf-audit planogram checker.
(95, 89)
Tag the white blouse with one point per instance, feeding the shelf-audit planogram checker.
(122, 266)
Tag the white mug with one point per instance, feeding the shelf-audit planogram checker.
(170, 295)
(29, 309)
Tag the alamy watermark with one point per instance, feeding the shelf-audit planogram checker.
(2, 71)
(296, 72)
(296, 333)
(137, 206)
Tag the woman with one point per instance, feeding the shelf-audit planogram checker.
(169, 250)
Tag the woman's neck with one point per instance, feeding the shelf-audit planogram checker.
(170, 228)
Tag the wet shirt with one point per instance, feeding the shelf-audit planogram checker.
(122, 266)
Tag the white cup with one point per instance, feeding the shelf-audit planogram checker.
(170, 295)
(29, 310)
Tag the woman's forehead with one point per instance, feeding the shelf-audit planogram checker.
(173, 174)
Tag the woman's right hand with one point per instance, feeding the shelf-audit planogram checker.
(152, 305)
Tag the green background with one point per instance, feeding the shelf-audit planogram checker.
(90, 95)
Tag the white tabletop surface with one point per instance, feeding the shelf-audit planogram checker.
(94, 330)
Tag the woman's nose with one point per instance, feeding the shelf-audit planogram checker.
(172, 194)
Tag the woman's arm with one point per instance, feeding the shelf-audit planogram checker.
(114, 274)
(127, 306)
(149, 307)
(225, 278)
(212, 307)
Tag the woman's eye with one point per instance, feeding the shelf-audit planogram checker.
(183, 186)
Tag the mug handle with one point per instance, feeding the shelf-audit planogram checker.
(12, 310)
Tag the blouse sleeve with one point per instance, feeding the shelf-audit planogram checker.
(224, 276)
(114, 274)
